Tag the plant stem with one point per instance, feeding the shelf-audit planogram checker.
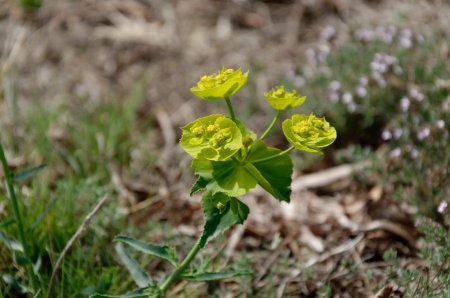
(176, 274)
(271, 125)
(230, 108)
(12, 194)
(275, 155)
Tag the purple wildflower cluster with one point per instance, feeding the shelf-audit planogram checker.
(319, 55)
(336, 94)
(389, 34)
(381, 65)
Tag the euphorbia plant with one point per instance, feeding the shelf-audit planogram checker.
(229, 161)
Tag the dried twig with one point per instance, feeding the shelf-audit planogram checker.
(390, 226)
(72, 240)
(384, 292)
(346, 246)
(327, 176)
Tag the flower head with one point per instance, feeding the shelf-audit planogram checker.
(280, 99)
(213, 137)
(222, 84)
(308, 133)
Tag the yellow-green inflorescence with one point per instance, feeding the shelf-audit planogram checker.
(280, 99)
(308, 133)
(214, 137)
(222, 84)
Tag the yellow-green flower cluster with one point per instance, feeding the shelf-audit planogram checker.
(280, 99)
(213, 137)
(308, 133)
(223, 84)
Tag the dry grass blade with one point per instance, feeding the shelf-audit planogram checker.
(72, 240)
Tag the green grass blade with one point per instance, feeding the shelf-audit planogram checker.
(22, 176)
(10, 242)
(166, 253)
(43, 214)
(211, 276)
(134, 294)
(139, 276)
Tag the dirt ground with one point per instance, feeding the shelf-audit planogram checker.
(100, 49)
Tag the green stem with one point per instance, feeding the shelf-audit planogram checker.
(275, 155)
(230, 108)
(12, 194)
(271, 125)
(177, 273)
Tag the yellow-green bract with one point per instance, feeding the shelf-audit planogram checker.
(308, 133)
(222, 84)
(213, 137)
(280, 99)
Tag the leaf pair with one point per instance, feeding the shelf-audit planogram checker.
(235, 178)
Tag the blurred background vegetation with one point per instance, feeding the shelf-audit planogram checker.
(96, 90)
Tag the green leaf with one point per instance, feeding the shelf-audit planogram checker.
(140, 277)
(22, 176)
(200, 184)
(221, 212)
(10, 242)
(211, 276)
(274, 175)
(12, 282)
(144, 292)
(6, 222)
(236, 178)
(166, 253)
(43, 214)
(228, 177)
(21, 259)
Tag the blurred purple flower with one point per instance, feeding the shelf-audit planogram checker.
(398, 132)
(382, 83)
(405, 42)
(335, 85)
(395, 153)
(333, 97)
(361, 91)
(423, 133)
(386, 135)
(440, 124)
(404, 104)
(363, 81)
(347, 98)
(351, 107)
(442, 206)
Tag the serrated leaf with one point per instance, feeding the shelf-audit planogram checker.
(211, 276)
(22, 176)
(10, 242)
(274, 175)
(200, 184)
(133, 294)
(166, 253)
(139, 276)
(221, 212)
(228, 177)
